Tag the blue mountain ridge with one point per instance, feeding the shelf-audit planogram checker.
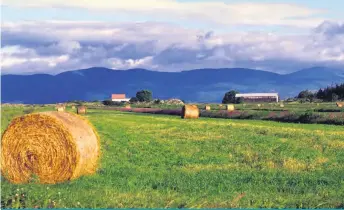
(200, 85)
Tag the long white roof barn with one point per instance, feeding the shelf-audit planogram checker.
(257, 95)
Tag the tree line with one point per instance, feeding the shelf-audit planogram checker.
(328, 94)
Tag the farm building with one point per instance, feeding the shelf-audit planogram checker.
(258, 97)
(119, 98)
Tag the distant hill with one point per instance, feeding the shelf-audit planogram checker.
(201, 85)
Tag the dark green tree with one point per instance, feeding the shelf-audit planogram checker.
(144, 96)
(334, 97)
(133, 100)
(305, 94)
(229, 97)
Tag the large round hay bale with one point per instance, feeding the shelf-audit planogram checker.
(60, 108)
(339, 104)
(207, 107)
(230, 107)
(190, 112)
(52, 146)
(81, 110)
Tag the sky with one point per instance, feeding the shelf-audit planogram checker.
(283, 36)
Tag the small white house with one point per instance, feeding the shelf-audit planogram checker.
(119, 98)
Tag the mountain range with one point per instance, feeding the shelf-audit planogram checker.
(201, 85)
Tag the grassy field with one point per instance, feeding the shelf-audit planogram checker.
(164, 161)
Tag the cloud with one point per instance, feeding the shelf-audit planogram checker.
(53, 47)
(330, 28)
(213, 12)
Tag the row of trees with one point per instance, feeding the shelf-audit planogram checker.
(331, 93)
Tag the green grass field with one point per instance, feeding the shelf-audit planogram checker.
(164, 161)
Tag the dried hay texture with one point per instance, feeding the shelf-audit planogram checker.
(127, 106)
(81, 110)
(340, 104)
(207, 108)
(230, 107)
(60, 108)
(259, 105)
(52, 146)
(190, 112)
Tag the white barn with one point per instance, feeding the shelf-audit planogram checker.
(258, 97)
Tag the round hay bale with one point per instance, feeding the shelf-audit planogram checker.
(52, 146)
(81, 110)
(127, 106)
(60, 108)
(207, 107)
(259, 105)
(282, 105)
(230, 107)
(190, 112)
(339, 104)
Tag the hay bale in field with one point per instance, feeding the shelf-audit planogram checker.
(259, 105)
(52, 146)
(230, 107)
(207, 107)
(190, 112)
(81, 110)
(340, 104)
(127, 106)
(60, 107)
(282, 105)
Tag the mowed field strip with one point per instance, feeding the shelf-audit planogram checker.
(165, 161)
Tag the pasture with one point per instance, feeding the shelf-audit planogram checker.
(160, 161)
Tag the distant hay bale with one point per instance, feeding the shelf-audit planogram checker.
(207, 107)
(190, 112)
(127, 106)
(60, 107)
(259, 105)
(282, 105)
(81, 110)
(340, 104)
(230, 107)
(51, 146)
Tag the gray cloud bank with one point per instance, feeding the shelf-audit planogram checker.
(55, 46)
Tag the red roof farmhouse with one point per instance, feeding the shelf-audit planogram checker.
(119, 98)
